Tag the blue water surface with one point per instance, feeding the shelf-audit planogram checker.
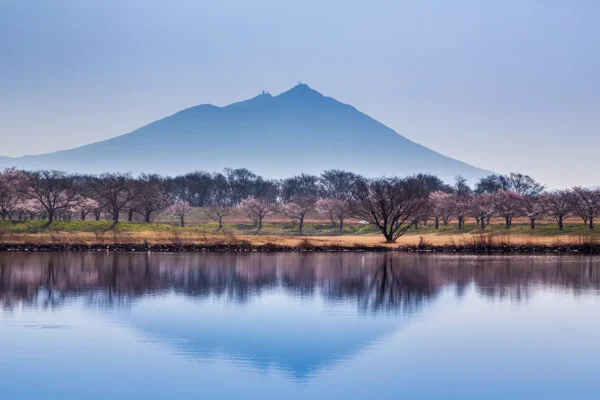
(298, 326)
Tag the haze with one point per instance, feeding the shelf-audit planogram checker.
(506, 85)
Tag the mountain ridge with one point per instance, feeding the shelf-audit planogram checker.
(299, 130)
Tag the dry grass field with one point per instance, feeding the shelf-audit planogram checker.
(280, 230)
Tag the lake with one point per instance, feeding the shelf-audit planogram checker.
(298, 326)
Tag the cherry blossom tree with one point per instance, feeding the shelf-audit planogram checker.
(180, 209)
(533, 208)
(558, 204)
(28, 208)
(440, 207)
(9, 194)
(587, 202)
(507, 204)
(335, 209)
(461, 208)
(54, 190)
(257, 208)
(482, 206)
(298, 208)
(83, 207)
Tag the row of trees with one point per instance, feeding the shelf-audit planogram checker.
(394, 205)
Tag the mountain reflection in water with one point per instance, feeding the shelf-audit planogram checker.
(376, 282)
(297, 326)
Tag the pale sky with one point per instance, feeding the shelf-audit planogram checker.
(505, 85)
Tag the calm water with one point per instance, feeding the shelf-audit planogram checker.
(298, 326)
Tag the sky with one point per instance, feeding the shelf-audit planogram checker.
(505, 85)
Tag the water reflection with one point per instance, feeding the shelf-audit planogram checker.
(297, 325)
(375, 282)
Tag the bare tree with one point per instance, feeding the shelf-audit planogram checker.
(54, 190)
(154, 197)
(338, 184)
(391, 204)
(116, 191)
(300, 194)
(220, 200)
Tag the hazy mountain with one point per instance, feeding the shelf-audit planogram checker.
(297, 131)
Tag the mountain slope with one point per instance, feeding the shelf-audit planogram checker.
(297, 131)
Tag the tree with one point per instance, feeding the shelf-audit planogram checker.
(335, 208)
(524, 184)
(9, 193)
(193, 187)
(391, 204)
(84, 206)
(520, 183)
(116, 191)
(300, 194)
(440, 207)
(242, 182)
(54, 190)
(533, 208)
(558, 204)
(180, 209)
(257, 208)
(28, 207)
(338, 184)
(482, 206)
(492, 184)
(587, 202)
(220, 200)
(507, 203)
(154, 197)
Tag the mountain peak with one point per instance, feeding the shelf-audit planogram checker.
(301, 90)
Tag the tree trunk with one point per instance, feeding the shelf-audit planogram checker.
(83, 216)
(416, 223)
(560, 223)
(130, 215)
(259, 225)
(182, 221)
(115, 217)
(50, 217)
(301, 224)
(341, 224)
(482, 223)
(389, 238)
(220, 223)
(507, 219)
(592, 223)
(147, 218)
(437, 223)
(532, 223)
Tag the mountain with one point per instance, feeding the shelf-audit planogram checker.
(276, 136)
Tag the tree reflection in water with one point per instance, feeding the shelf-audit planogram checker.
(377, 282)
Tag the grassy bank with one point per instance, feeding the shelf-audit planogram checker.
(317, 234)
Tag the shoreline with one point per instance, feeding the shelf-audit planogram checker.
(301, 247)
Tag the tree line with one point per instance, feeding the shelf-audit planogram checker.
(392, 204)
